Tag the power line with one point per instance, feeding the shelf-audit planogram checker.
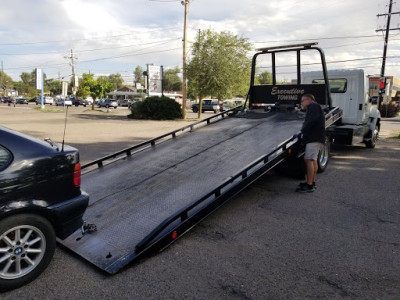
(318, 39)
(98, 59)
(91, 50)
(86, 39)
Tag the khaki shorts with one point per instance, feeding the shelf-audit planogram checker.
(312, 151)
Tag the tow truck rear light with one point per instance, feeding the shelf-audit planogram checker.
(77, 174)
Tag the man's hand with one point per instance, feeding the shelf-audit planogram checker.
(298, 136)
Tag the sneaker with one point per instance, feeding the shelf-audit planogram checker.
(305, 188)
(305, 184)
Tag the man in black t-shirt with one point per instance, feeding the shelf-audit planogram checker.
(313, 134)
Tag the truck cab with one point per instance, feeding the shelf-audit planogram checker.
(349, 90)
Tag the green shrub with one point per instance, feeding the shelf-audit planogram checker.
(156, 108)
(389, 110)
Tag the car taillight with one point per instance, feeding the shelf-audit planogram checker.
(77, 174)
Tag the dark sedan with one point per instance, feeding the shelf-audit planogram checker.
(21, 101)
(40, 199)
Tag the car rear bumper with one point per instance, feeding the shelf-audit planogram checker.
(67, 215)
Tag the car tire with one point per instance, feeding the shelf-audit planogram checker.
(27, 244)
(195, 109)
(323, 156)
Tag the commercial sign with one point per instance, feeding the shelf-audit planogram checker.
(64, 88)
(39, 81)
(155, 79)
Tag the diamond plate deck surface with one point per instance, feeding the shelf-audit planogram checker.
(130, 197)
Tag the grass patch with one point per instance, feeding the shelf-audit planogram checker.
(394, 137)
(48, 109)
(98, 111)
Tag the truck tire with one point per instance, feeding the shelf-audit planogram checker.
(323, 156)
(374, 137)
(195, 109)
(27, 244)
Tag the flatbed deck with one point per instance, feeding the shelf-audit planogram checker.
(130, 197)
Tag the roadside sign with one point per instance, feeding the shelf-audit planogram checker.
(64, 88)
(38, 82)
(155, 78)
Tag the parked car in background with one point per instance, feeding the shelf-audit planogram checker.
(63, 102)
(207, 105)
(124, 102)
(21, 101)
(46, 100)
(107, 103)
(89, 100)
(79, 101)
(84, 102)
(40, 199)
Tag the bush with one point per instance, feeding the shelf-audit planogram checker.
(389, 110)
(156, 108)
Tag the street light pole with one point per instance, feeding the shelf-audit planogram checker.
(184, 92)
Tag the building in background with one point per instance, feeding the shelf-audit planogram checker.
(391, 89)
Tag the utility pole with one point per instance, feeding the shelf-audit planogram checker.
(387, 29)
(186, 4)
(73, 58)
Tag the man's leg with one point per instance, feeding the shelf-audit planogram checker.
(315, 163)
(311, 174)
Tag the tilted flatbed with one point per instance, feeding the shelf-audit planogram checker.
(132, 196)
(145, 197)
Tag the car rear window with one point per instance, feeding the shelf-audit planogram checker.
(5, 158)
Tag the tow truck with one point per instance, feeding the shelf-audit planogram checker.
(147, 196)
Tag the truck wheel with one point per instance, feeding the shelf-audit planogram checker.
(195, 109)
(27, 244)
(323, 156)
(374, 137)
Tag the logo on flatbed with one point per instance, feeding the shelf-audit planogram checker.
(287, 94)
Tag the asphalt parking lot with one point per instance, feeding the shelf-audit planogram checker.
(343, 241)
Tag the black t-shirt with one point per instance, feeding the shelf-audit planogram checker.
(313, 129)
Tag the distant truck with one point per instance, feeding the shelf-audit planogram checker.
(349, 89)
(207, 105)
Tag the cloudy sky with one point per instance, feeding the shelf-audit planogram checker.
(109, 36)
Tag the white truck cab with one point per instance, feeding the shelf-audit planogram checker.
(350, 91)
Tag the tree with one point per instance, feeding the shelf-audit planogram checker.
(95, 88)
(5, 81)
(116, 80)
(264, 78)
(138, 75)
(27, 84)
(219, 66)
(54, 86)
(171, 81)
